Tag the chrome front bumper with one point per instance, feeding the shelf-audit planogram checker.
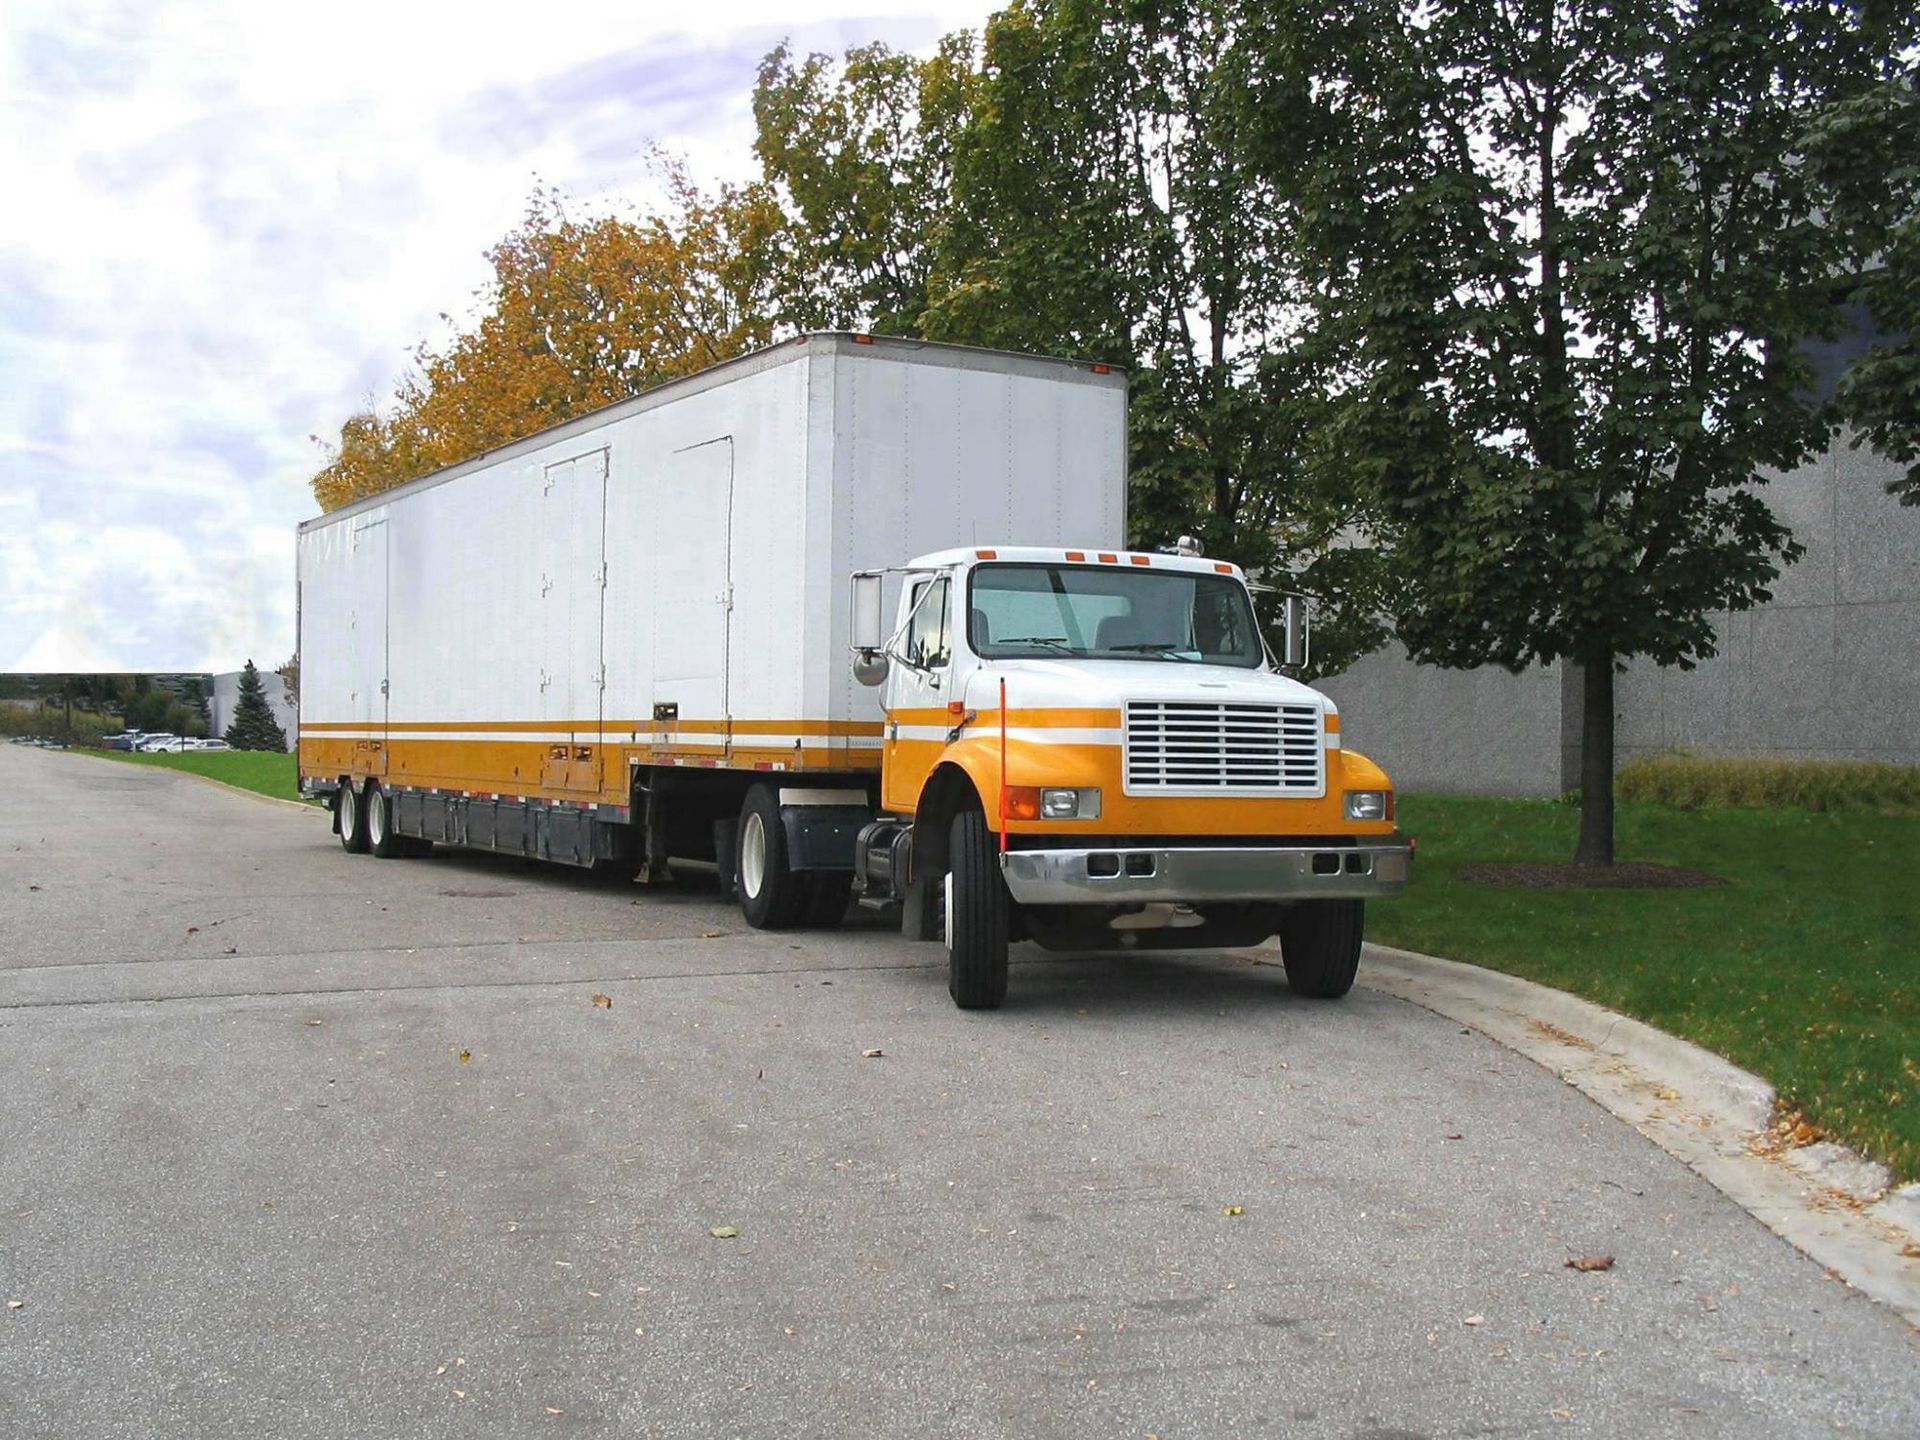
(1195, 876)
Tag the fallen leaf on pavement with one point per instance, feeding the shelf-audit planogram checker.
(711, 934)
(16, 1304)
(459, 1394)
(465, 1056)
(1454, 1136)
(31, 887)
(1233, 1210)
(552, 1411)
(725, 1232)
(316, 1022)
(1474, 1320)
(193, 929)
(1666, 1094)
(1590, 1263)
(873, 1054)
(603, 1002)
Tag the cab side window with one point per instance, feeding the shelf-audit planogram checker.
(927, 636)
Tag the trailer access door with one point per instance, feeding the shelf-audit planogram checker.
(367, 646)
(690, 498)
(573, 587)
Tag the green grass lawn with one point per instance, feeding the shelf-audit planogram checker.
(270, 774)
(1805, 968)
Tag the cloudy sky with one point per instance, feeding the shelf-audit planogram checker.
(228, 224)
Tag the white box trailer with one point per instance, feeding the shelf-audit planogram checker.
(624, 641)
(664, 582)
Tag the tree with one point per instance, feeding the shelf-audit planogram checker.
(580, 314)
(1867, 150)
(1570, 250)
(253, 726)
(857, 156)
(289, 673)
(1107, 204)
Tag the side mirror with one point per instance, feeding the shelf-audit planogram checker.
(866, 612)
(1299, 625)
(870, 667)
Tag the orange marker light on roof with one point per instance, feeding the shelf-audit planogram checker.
(863, 339)
(986, 554)
(1103, 369)
(1139, 559)
(1106, 559)
(1076, 554)
(1224, 569)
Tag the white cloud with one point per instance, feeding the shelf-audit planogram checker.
(231, 222)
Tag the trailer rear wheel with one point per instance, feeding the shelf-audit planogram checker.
(1320, 946)
(350, 816)
(976, 913)
(771, 896)
(383, 842)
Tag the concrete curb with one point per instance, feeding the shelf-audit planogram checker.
(301, 805)
(1824, 1199)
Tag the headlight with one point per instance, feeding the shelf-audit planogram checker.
(1070, 804)
(1369, 804)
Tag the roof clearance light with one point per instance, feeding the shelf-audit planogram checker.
(1140, 559)
(863, 339)
(1103, 369)
(1076, 554)
(1223, 569)
(986, 554)
(1106, 559)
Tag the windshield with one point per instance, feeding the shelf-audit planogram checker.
(1107, 613)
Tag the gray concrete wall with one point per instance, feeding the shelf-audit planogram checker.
(1483, 732)
(1829, 669)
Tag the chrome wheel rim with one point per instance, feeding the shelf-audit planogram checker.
(377, 818)
(349, 811)
(753, 856)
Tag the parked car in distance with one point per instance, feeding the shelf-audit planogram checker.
(155, 744)
(212, 744)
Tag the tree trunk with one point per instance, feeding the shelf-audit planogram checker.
(1596, 763)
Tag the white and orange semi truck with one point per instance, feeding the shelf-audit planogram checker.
(625, 642)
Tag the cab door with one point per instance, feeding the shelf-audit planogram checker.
(919, 687)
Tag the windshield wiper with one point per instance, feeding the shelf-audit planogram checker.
(1159, 647)
(1059, 641)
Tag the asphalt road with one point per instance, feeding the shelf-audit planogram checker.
(300, 1144)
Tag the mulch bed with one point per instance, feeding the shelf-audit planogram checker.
(1627, 875)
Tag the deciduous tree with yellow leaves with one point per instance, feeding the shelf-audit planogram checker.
(580, 313)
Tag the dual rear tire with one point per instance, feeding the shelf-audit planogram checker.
(366, 823)
(772, 896)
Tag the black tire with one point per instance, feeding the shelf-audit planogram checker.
(771, 896)
(350, 818)
(383, 841)
(828, 892)
(1320, 946)
(976, 906)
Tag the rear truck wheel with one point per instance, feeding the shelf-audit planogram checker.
(382, 842)
(828, 892)
(350, 818)
(1320, 946)
(976, 914)
(771, 896)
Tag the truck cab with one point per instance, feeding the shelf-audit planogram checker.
(1095, 749)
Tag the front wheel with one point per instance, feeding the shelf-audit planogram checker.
(1320, 946)
(976, 912)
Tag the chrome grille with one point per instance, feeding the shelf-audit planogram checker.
(1203, 748)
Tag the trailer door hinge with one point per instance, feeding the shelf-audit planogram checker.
(726, 598)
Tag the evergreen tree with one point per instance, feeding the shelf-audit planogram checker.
(254, 727)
